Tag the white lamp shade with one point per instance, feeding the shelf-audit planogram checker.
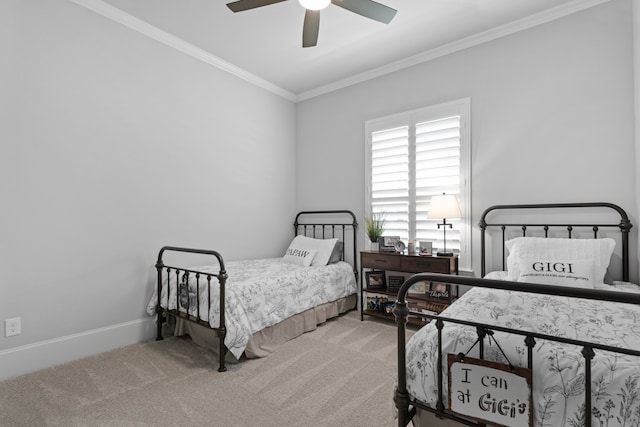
(444, 206)
(314, 4)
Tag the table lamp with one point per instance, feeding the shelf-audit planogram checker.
(442, 207)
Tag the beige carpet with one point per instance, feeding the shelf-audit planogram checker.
(338, 375)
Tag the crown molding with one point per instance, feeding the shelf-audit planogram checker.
(477, 39)
(143, 27)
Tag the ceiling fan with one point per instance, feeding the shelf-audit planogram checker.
(367, 8)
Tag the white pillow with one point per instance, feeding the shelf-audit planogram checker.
(599, 250)
(302, 257)
(573, 273)
(323, 248)
(336, 253)
(497, 275)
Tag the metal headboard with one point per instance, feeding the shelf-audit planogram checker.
(330, 224)
(624, 225)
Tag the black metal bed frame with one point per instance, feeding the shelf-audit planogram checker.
(407, 406)
(332, 228)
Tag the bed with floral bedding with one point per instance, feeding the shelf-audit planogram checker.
(549, 311)
(249, 307)
(259, 294)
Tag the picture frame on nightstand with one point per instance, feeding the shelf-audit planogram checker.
(426, 248)
(388, 243)
(419, 288)
(375, 280)
(439, 291)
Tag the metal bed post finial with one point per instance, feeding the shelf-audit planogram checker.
(625, 228)
(483, 227)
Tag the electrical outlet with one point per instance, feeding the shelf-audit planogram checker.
(12, 327)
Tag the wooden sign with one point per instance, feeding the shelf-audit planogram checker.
(490, 392)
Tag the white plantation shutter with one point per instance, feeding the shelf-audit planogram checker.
(410, 158)
(437, 171)
(390, 179)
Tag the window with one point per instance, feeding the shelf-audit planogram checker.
(409, 158)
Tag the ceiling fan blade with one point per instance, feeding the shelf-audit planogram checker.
(368, 8)
(311, 28)
(241, 5)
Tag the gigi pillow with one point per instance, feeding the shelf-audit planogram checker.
(560, 250)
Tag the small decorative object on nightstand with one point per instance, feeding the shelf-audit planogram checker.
(388, 243)
(374, 228)
(411, 248)
(426, 248)
(443, 207)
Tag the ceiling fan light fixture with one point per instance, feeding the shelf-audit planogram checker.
(315, 4)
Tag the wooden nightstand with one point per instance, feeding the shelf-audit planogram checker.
(379, 287)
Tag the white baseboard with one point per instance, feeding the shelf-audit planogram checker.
(45, 354)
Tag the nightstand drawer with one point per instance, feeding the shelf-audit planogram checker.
(380, 261)
(426, 264)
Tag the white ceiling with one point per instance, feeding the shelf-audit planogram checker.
(265, 44)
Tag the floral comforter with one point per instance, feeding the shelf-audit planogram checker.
(259, 294)
(558, 374)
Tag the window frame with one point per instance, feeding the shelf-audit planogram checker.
(461, 107)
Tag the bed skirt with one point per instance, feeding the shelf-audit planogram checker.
(266, 341)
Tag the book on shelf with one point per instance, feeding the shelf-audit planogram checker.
(395, 283)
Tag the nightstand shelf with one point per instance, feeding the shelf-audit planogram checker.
(377, 295)
(412, 320)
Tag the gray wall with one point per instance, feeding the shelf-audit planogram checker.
(113, 145)
(551, 118)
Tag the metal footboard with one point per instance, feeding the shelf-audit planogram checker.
(177, 274)
(407, 406)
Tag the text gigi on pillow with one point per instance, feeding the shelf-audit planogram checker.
(573, 273)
